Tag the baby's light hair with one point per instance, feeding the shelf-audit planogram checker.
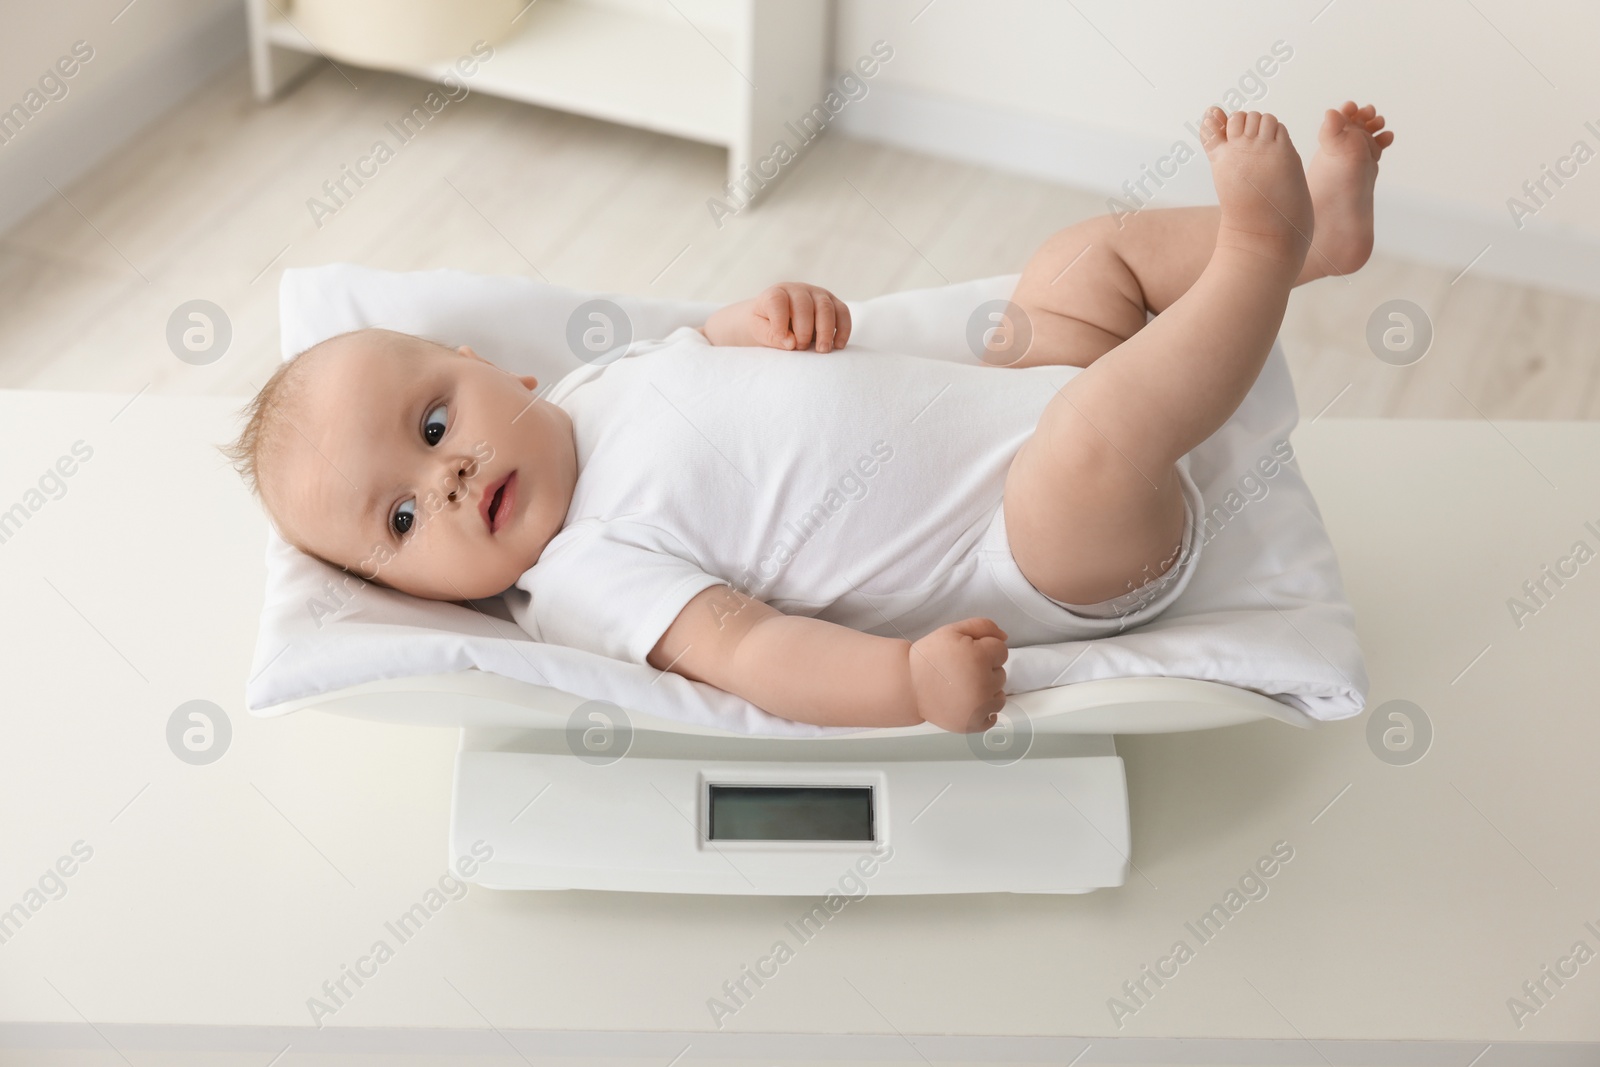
(265, 418)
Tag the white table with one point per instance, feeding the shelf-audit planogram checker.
(1418, 900)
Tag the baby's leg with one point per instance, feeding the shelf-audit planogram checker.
(1087, 288)
(1092, 502)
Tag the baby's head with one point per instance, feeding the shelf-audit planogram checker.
(385, 454)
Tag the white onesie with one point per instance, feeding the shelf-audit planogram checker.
(857, 486)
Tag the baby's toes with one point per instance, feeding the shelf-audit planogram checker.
(1269, 127)
(1333, 124)
(1236, 125)
(1213, 124)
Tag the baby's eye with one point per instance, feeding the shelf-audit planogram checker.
(434, 425)
(404, 516)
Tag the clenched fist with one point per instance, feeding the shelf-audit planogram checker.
(792, 315)
(957, 676)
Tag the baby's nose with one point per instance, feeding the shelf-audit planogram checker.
(461, 477)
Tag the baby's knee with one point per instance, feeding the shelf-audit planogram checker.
(1079, 272)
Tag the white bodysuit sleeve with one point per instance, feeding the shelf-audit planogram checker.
(611, 588)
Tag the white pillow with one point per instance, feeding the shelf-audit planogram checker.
(1265, 609)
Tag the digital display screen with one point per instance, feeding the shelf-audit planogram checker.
(790, 813)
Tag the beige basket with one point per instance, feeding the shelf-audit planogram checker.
(402, 33)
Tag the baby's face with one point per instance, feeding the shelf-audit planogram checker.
(407, 448)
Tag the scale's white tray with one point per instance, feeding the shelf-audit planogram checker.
(476, 698)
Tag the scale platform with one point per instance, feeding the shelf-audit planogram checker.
(940, 813)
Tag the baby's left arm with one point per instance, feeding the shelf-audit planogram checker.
(787, 315)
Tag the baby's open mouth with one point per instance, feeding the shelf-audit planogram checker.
(498, 503)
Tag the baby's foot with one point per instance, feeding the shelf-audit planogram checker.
(1341, 176)
(1261, 186)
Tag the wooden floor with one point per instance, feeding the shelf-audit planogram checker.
(211, 203)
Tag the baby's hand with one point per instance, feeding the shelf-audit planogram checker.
(792, 314)
(957, 676)
(788, 315)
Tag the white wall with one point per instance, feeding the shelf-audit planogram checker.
(1480, 95)
(146, 57)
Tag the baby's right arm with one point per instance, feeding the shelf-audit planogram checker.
(813, 671)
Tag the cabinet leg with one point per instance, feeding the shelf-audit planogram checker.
(272, 69)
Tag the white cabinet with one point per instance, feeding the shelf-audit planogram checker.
(738, 73)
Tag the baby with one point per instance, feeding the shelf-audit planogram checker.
(801, 527)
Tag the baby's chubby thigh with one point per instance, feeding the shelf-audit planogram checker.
(1084, 522)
